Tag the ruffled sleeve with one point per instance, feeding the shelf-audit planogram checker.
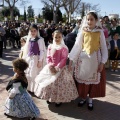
(64, 57)
(104, 50)
(76, 48)
(14, 90)
(42, 48)
(49, 58)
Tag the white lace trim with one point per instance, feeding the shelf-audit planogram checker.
(88, 81)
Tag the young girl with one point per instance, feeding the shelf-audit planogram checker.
(89, 55)
(34, 53)
(115, 51)
(55, 83)
(19, 103)
(23, 41)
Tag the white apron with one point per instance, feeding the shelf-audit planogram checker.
(86, 68)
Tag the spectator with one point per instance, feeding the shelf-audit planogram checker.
(2, 33)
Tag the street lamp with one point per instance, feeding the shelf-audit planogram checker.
(2, 3)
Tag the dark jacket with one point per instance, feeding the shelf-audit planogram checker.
(112, 44)
(10, 84)
(70, 40)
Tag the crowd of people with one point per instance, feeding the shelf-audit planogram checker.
(12, 32)
(60, 58)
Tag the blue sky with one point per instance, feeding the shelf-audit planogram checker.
(106, 6)
(36, 4)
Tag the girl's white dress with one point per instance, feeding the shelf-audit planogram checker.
(33, 60)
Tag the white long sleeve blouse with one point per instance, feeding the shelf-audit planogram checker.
(77, 48)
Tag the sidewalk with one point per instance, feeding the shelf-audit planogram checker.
(5, 74)
(107, 108)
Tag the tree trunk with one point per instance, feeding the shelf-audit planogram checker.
(55, 15)
(69, 17)
(83, 11)
(25, 16)
(11, 14)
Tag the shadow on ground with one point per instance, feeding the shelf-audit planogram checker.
(6, 64)
(10, 54)
(100, 111)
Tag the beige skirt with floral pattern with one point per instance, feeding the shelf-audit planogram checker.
(63, 89)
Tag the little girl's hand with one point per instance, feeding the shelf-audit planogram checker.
(10, 98)
(39, 64)
(53, 70)
(51, 66)
(100, 67)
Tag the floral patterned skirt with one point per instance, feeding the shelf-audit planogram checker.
(62, 89)
(21, 106)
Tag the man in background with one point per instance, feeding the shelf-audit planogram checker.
(2, 33)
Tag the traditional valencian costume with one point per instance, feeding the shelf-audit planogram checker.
(59, 87)
(19, 103)
(88, 52)
(34, 51)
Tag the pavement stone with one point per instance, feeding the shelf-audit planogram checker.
(5, 75)
(107, 108)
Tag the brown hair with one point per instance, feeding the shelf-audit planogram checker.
(93, 14)
(20, 65)
(22, 39)
(57, 31)
(33, 26)
(114, 19)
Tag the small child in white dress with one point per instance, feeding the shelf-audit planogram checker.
(22, 41)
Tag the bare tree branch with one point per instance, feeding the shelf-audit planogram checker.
(88, 7)
(75, 6)
(24, 2)
(57, 3)
(11, 4)
(8, 1)
(71, 7)
(96, 8)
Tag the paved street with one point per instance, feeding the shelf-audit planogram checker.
(107, 108)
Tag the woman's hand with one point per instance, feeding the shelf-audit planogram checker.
(100, 67)
(39, 64)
